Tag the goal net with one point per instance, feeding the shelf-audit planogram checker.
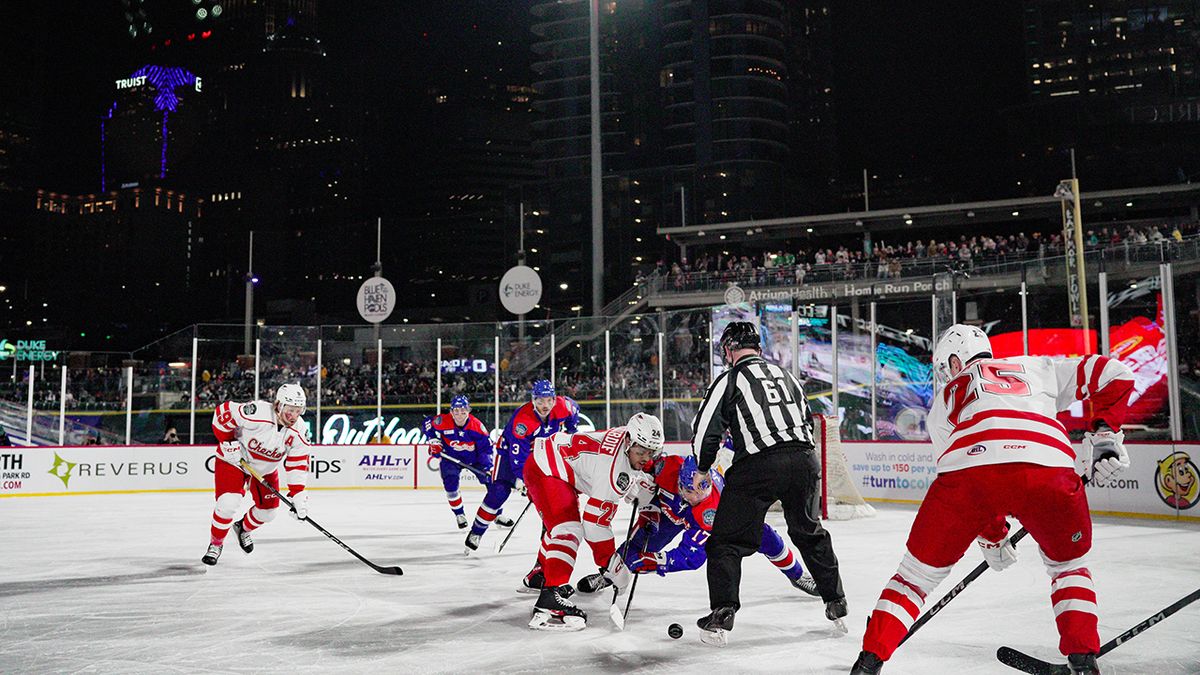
(840, 499)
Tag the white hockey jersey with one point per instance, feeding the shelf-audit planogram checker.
(998, 411)
(267, 444)
(595, 464)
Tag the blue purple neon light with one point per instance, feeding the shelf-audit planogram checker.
(166, 80)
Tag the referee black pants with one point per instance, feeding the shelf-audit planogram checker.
(789, 475)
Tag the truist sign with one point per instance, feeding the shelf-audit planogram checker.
(131, 82)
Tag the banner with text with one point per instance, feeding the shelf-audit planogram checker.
(1162, 479)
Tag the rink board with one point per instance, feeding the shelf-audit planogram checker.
(1161, 482)
(902, 472)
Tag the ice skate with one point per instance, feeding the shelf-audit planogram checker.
(462, 521)
(807, 584)
(715, 626)
(243, 536)
(593, 583)
(472, 543)
(211, 556)
(554, 612)
(867, 664)
(834, 611)
(503, 521)
(1083, 664)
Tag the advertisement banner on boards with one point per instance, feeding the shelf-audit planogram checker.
(1162, 479)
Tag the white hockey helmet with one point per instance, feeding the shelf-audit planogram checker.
(291, 394)
(966, 342)
(646, 431)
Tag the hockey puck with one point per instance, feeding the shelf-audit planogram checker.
(675, 631)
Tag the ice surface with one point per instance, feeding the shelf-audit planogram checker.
(114, 583)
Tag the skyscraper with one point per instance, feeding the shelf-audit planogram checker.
(712, 111)
(1117, 81)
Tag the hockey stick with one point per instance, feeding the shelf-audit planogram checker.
(632, 588)
(378, 568)
(483, 475)
(953, 592)
(500, 546)
(1021, 661)
(614, 610)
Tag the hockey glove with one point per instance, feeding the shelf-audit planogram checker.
(650, 562)
(231, 451)
(617, 572)
(1105, 451)
(999, 555)
(300, 505)
(649, 517)
(435, 450)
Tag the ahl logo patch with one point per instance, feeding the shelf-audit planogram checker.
(249, 408)
(622, 480)
(977, 450)
(521, 429)
(709, 516)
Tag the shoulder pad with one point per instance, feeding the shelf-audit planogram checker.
(473, 424)
(524, 422)
(667, 472)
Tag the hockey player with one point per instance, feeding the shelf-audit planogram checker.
(544, 415)
(687, 499)
(603, 465)
(1001, 451)
(462, 437)
(265, 436)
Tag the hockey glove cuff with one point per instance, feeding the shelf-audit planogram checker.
(999, 555)
(231, 451)
(300, 505)
(650, 562)
(1105, 451)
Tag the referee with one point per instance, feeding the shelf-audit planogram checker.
(764, 410)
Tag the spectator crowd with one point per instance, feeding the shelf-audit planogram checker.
(818, 263)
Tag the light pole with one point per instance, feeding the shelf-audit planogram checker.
(596, 167)
(377, 268)
(521, 262)
(250, 281)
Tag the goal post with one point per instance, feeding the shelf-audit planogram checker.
(840, 498)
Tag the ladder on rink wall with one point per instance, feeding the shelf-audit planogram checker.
(613, 313)
(45, 428)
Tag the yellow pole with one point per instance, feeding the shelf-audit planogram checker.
(1079, 272)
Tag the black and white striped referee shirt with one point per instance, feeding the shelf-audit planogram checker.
(760, 404)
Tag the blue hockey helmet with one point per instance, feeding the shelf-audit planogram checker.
(459, 402)
(687, 476)
(542, 388)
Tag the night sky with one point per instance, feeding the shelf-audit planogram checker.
(913, 86)
(923, 83)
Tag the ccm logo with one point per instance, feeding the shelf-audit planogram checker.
(977, 450)
(1015, 447)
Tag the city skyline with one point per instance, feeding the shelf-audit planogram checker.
(379, 122)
